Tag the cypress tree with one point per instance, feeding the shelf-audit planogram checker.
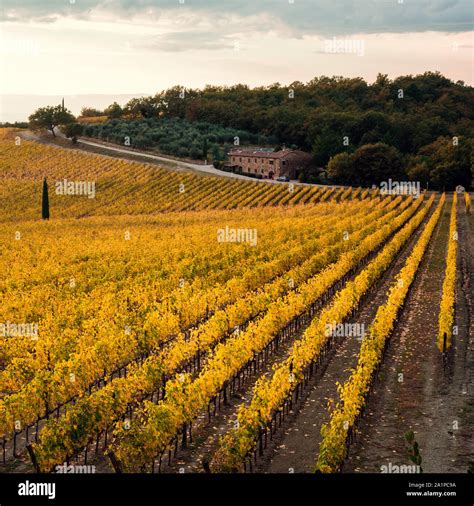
(216, 153)
(45, 201)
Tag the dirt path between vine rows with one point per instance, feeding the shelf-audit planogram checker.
(207, 435)
(295, 447)
(415, 392)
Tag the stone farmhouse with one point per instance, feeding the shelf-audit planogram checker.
(268, 164)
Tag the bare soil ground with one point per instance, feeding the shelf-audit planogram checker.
(296, 447)
(206, 433)
(415, 391)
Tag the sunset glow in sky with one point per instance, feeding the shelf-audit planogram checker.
(70, 47)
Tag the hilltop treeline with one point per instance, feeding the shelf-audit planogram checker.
(424, 124)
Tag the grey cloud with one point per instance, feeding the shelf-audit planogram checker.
(303, 17)
(43, 10)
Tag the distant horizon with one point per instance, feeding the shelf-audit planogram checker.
(16, 107)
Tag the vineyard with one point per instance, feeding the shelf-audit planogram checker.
(124, 188)
(165, 322)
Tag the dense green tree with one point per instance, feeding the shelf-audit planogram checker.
(374, 163)
(50, 117)
(325, 116)
(113, 111)
(444, 164)
(340, 168)
(73, 131)
(369, 165)
(216, 153)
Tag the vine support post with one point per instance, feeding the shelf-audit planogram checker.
(33, 458)
(184, 443)
(116, 464)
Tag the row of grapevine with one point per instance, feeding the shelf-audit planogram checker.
(271, 393)
(183, 349)
(157, 268)
(448, 297)
(86, 367)
(353, 393)
(158, 424)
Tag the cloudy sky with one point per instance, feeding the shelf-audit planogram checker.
(112, 47)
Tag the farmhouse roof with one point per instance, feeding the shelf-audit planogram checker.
(283, 153)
